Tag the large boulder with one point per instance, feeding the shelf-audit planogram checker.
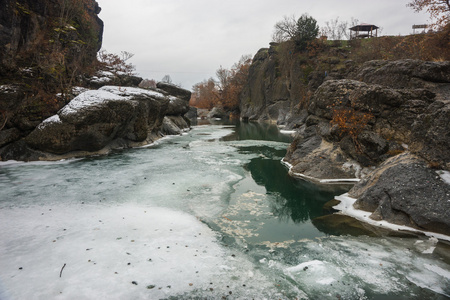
(174, 91)
(218, 113)
(98, 120)
(315, 159)
(192, 114)
(404, 191)
(179, 100)
(415, 119)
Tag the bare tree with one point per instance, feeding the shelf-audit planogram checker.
(439, 10)
(147, 83)
(116, 63)
(354, 22)
(224, 76)
(166, 79)
(285, 29)
(335, 29)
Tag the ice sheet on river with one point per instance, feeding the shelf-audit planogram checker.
(150, 216)
(123, 252)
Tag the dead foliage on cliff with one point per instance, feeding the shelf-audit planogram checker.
(350, 121)
(433, 46)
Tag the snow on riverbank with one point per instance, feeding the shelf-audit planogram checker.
(288, 132)
(317, 180)
(346, 208)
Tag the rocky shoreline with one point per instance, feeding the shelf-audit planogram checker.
(393, 159)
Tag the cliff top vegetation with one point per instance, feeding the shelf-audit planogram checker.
(328, 50)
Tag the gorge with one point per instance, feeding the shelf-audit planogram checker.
(110, 190)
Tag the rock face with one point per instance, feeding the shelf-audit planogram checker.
(280, 82)
(45, 47)
(266, 96)
(403, 190)
(23, 23)
(217, 112)
(389, 124)
(414, 119)
(98, 120)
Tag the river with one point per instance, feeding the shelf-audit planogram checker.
(211, 214)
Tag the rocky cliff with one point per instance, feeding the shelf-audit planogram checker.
(281, 82)
(30, 25)
(45, 47)
(382, 124)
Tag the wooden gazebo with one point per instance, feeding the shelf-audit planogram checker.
(363, 31)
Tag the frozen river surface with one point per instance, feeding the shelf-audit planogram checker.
(208, 215)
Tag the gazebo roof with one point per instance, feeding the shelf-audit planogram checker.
(364, 27)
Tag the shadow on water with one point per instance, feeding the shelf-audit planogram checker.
(297, 205)
(257, 131)
(293, 199)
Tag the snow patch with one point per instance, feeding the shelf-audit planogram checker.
(288, 132)
(87, 99)
(353, 165)
(131, 91)
(48, 121)
(104, 250)
(77, 90)
(101, 79)
(6, 89)
(317, 180)
(105, 73)
(346, 208)
(445, 175)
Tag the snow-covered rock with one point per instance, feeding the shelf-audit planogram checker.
(111, 117)
(404, 191)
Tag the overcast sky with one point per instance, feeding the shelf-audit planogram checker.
(190, 39)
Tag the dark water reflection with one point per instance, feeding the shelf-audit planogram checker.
(293, 202)
(297, 200)
(257, 131)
